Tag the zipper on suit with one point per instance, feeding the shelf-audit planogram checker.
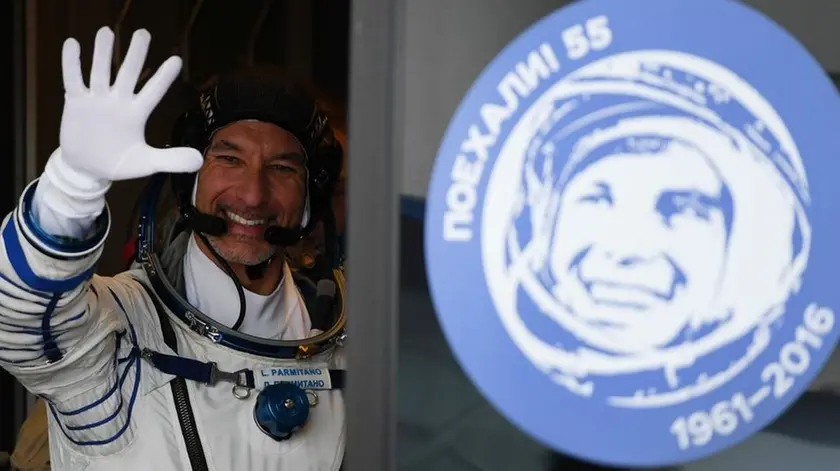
(195, 451)
(180, 395)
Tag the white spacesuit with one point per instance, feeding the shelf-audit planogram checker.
(149, 370)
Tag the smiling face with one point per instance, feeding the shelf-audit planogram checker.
(640, 245)
(253, 176)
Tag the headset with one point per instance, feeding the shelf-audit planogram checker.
(262, 93)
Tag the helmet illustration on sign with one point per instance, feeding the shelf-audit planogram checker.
(633, 224)
(658, 218)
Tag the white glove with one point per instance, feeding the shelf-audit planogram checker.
(102, 136)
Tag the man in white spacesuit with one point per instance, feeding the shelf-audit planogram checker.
(153, 369)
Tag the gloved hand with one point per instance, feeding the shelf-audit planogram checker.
(102, 136)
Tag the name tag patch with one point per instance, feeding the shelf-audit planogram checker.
(304, 378)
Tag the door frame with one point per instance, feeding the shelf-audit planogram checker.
(374, 177)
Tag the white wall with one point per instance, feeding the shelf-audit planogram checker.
(447, 44)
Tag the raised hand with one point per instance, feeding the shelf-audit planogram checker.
(103, 125)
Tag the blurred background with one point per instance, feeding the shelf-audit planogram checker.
(442, 45)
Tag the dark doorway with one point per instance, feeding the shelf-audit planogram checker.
(8, 163)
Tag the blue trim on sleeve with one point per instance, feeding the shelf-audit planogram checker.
(14, 328)
(19, 329)
(137, 365)
(29, 349)
(134, 356)
(6, 294)
(14, 251)
(107, 394)
(132, 360)
(25, 361)
(65, 245)
(70, 319)
(122, 308)
(50, 346)
(113, 415)
(45, 297)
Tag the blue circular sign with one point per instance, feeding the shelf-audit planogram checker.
(631, 228)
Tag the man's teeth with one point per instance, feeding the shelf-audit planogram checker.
(241, 220)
